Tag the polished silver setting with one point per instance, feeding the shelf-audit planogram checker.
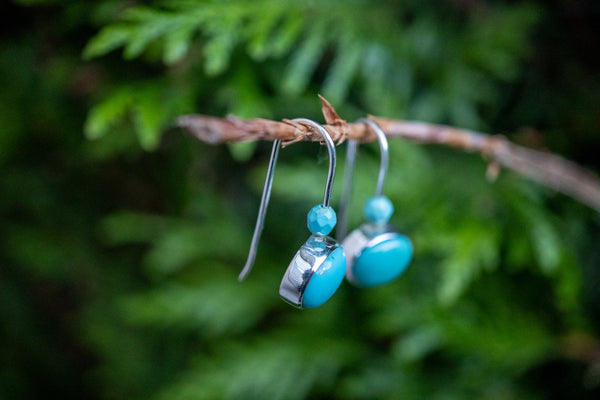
(367, 236)
(303, 266)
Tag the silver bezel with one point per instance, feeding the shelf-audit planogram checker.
(367, 236)
(303, 266)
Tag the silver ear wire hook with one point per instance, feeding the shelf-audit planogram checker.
(342, 226)
(349, 173)
(332, 157)
(375, 252)
(266, 194)
(262, 211)
(384, 154)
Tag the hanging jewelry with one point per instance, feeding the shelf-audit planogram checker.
(377, 254)
(318, 268)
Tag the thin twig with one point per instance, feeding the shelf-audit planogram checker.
(548, 169)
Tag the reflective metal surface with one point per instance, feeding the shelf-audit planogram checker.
(367, 236)
(266, 195)
(262, 211)
(342, 226)
(349, 173)
(332, 156)
(303, 266)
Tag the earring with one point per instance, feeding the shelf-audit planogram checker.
(318, 268)
(376, 253)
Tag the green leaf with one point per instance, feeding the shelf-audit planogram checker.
(265, 369)
(217, 52)
(108, 39)
(149, 116)
(205, 307)
(345, 66)
(185, 244)
(106, 113)
(417, 344)
(471, 248)
(177, 43)
(259, 32)
(282, 40)
(546, 244)
(543, 236)
(305, 59)
(152, 24)
(499, 329)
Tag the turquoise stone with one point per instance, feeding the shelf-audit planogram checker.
(379, 209)
(383, 262)
(321, 220)
(326, 280)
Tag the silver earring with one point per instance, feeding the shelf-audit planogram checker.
(377, 254)
(318, 268)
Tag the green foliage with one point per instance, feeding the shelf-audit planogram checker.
(149, 106)
(122, 238)
(387, 57)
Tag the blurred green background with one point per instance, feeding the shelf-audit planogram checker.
(122, 237)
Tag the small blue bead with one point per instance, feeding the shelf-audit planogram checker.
(379, 209)
(321, 220)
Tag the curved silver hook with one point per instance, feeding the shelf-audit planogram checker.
(384, 151)
(262, 211)
(332, 157)
(266, 194)
(349, 173)
(342, 226)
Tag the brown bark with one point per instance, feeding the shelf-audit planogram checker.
(548, 169)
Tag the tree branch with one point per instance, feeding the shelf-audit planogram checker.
(548, 169)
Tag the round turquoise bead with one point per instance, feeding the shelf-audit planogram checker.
(379, 209)
(321, 220)
(383, 262)
(325, 280)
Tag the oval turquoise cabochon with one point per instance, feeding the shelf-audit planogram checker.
(383, 262)
(326, 280)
